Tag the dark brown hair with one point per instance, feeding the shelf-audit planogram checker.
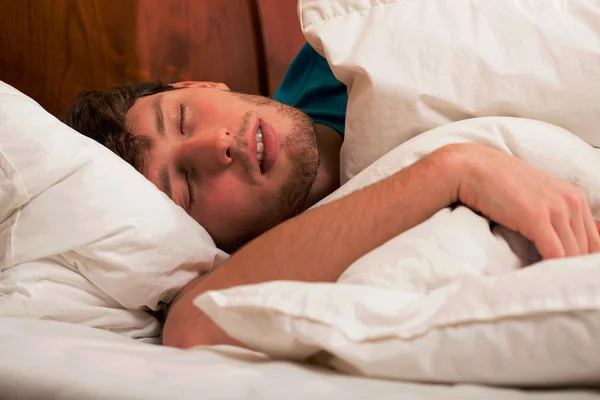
(100, 115)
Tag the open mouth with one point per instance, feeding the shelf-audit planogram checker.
(260, 148)
(267, 146)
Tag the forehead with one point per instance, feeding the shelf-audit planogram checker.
(140, 117)
(144, 108)
(141, 121)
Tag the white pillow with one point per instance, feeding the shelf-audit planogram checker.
(84, 237)
(413, 65)
(520, 329)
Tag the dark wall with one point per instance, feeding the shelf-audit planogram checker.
(50, 49)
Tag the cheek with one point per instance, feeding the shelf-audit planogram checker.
(224, 202)
(221, 111)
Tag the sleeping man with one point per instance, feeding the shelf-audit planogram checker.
(247, 168)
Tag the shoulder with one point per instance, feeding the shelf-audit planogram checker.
(311, 86)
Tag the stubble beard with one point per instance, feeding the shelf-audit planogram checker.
(301, 146)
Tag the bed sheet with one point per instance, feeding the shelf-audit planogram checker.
(56, 360)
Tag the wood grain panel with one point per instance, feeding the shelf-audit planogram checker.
(282, 37)
(211, 40)
(50, 49)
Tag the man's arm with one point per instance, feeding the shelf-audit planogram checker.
(321, 243)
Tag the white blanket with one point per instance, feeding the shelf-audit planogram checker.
(413, 65)
(446, 301)
(458, 241)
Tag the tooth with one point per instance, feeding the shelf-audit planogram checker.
(260, 147)
(259, 156)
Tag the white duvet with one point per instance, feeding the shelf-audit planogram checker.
(458, 242)
(447, 301)
(455, 299)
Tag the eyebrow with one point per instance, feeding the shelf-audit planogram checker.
(158, 115)
(166, 181)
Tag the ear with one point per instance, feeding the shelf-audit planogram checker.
(198, 84)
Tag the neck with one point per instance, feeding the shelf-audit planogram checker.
(328, 176)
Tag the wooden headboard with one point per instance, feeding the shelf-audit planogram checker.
(50, 49)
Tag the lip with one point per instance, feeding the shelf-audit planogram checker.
(252, 145)
(271, 143)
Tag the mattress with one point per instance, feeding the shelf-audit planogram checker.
(56, 360)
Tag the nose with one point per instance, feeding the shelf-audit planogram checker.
(212, 150)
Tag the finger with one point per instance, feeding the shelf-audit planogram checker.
(562, 226)
(592, 228)
(579, 231)
(546, 241)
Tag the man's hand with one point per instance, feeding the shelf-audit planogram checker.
(552, 213)
(320, 244)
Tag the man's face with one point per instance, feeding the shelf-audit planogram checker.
(206, 156)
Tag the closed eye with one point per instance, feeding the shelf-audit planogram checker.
(182, 108)
(191, 194)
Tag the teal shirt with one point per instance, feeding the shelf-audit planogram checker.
(310, 86)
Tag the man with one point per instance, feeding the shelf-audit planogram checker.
(245, 166)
